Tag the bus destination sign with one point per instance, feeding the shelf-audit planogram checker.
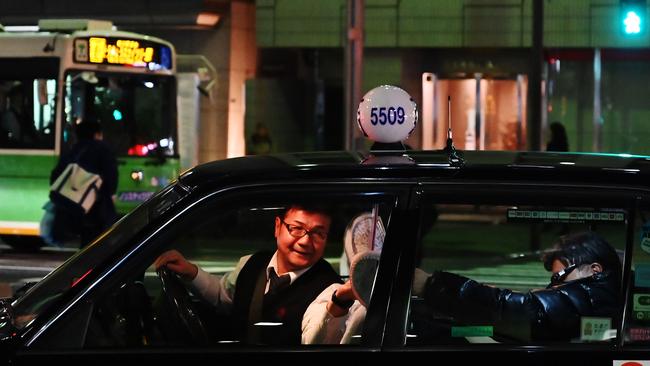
(122, 51)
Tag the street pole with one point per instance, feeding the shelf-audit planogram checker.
(598, 118)
(353, 71)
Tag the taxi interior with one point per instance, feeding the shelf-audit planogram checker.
(492, 242)
(502, 246)
(156, 308)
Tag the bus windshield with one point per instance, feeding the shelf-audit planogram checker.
(137, 111)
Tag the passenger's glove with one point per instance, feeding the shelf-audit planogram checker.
(420, 278)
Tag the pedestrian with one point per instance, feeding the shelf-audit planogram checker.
(92, 154)
(260, 142)
(559, 140)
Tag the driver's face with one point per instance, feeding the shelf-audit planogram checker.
(296, 253)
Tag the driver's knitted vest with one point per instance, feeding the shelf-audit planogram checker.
(281, 314)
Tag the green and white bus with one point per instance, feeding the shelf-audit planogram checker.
(69, 70)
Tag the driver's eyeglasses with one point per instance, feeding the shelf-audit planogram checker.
(299, 231)
(558, 277)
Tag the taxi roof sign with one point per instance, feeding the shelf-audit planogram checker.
(387, 114)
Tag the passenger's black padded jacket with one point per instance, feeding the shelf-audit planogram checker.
(544, 315)
(283, 311)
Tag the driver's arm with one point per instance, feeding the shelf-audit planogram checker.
(218, 290)
(320, 326)
(324, 323)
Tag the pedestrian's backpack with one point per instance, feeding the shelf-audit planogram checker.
(78, 186)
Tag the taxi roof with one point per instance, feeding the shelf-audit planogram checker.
(578, 168)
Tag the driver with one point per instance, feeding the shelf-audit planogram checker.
(268, 292)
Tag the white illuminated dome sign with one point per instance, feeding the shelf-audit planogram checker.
(387, 114)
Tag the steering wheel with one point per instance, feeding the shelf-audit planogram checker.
(182, 310)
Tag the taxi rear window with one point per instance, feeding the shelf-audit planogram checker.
(496, 279)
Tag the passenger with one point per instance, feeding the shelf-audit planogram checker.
(585, 283)
(293, 276)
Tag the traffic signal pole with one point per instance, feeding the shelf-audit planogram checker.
(534, 128)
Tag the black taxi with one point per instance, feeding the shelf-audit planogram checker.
(487, 216)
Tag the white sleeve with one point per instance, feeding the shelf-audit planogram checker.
(318, 325)
(354, 323)
(218, 290)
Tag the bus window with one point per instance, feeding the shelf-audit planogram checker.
(27, 108)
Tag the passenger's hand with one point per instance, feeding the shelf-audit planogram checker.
(175, 261)
(419, 282)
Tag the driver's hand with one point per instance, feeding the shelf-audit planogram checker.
(344, 293)
(175, 261)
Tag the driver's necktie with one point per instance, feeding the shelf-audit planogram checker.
(276, 283)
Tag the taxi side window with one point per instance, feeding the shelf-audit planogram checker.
(481, 275)
(228, 240)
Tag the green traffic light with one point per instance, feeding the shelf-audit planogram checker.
(633, 13)
(117, 115)
(632, 23)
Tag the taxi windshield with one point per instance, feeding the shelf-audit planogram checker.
(92, 258)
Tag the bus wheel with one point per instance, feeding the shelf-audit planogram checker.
(23, 243)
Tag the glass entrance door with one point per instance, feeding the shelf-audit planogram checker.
(486, 113)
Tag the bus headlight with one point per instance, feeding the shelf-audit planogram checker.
(137, 175)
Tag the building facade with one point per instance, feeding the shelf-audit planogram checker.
(478, 52)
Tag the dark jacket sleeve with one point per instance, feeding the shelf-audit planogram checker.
(103, 162)
(63, 162)
(99, 158)
(109, 171)
(58, 169)
(513, 314)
